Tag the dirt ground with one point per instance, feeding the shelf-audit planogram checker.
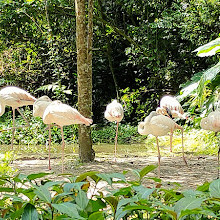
(173, 170)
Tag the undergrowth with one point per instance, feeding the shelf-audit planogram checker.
(98, 196)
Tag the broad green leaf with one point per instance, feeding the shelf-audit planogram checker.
(17, 214)
(68, 208)
(137, 207)
(14, 197)
(214, 188)
(81, 199)
(123, 191)
(37, 175)
(91, 174)
(204, 187)
(166, 209)
(2, 182)
(68, 186)
(187, 203)
(197, 211)
(209, 49)
(6, 189)
(126, 201)
(211, 73)
(118, 176)
(30, 213)
(113, 202)
(43, 193)
(106, 177)
(147, 170)
(51, 183)
(190, 193)
(95, 205)
(143, 192)
(61, 195)
(96, 216)
(20, 177)
(120, 213)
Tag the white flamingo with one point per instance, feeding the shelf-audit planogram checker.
(15, 97)
(159, 125)
(39, 108)
(171, 107)
(114, 112)
(212, 123)
(62, 115)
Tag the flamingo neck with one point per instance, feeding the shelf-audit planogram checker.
(2, 108)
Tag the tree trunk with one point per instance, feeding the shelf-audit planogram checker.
(84, 72)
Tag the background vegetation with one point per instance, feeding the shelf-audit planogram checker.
(142, 50)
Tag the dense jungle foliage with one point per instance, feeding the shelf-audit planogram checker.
(142, 49)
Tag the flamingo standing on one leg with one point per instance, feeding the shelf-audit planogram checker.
(15, 97)
(159, 125)
(114, 112)
(212, 123)
(38, 110)
(62, 115)
(170, 107)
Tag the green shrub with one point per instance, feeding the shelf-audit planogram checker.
(5, 161)
(36, 196)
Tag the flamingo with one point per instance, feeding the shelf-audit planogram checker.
(114, 112)
(40, 105)
(212, 123)
(171, 107)
(39, 108)
(62, 115)
(159, 125)
(15, 97)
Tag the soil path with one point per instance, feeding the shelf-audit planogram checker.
(173, 170)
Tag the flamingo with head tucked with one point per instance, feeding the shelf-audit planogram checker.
(114, 112)
(15, 97)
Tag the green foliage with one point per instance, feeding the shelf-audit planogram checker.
(5, 161)
(37, 196)
(203, 89)
(148, 43)
(37, 133)
(126, 134)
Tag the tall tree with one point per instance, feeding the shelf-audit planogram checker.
(84, 73)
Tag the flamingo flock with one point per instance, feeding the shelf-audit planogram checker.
(55, 113)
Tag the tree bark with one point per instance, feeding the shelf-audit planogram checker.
(84, 79)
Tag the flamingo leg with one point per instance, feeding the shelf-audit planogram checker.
(158, 149)
(63, 144)
(49, 145)
(218, 161)
(184, 159)
(13, 129)
(171, 140)
(28, 124)
(116, 140)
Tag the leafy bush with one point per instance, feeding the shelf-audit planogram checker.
(126, 134)
(35, 196)
(5, 161)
